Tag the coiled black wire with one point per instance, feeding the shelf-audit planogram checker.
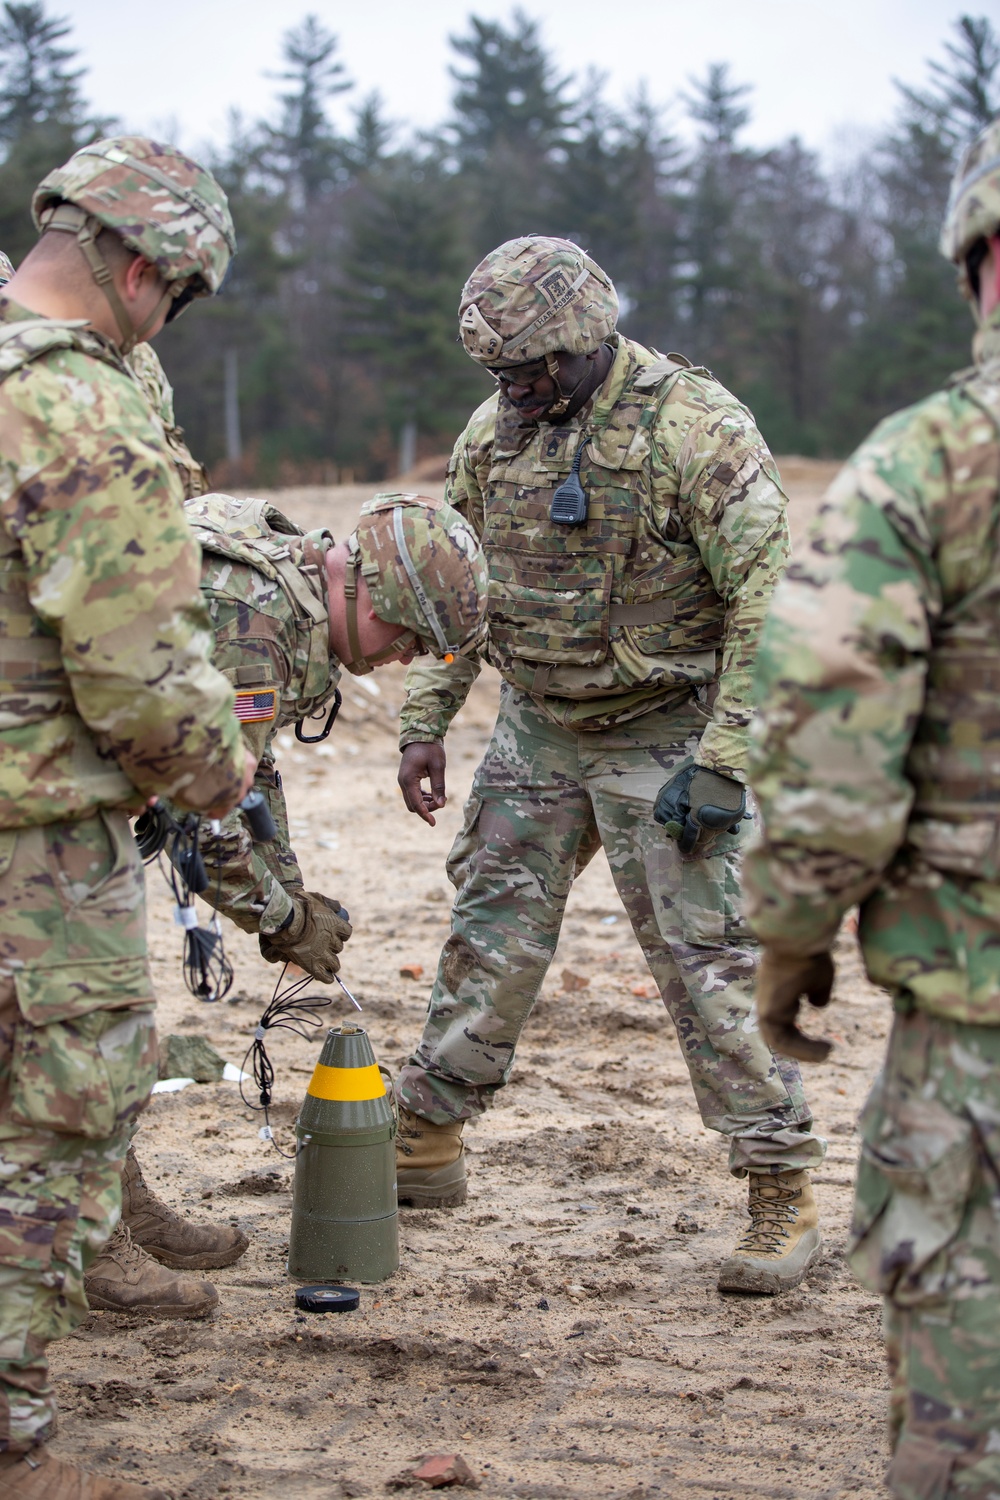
(288, 1010)
(208, 974)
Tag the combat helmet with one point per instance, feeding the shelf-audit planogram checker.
(159, 202)
(973, 211)
(424, 569)
(6, 269)
(533, 298)
(536, 296)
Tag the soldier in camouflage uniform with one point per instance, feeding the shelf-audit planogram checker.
(876, 765)
(289, 610)
(127, 1275)
(108, 697)
(634, 526)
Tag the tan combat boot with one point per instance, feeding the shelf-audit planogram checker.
(39, 1476)
(124, 1278)
(168, 1238)
(430, 1162)
(783, 1239)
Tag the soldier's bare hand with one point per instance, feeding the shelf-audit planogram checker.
(249, 772)
(420, 763)
(782, 980)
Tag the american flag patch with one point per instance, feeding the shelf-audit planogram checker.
(256, 708)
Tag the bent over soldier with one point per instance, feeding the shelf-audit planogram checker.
(878, 773)
(289, 611)
(108, 697)
(634, 526)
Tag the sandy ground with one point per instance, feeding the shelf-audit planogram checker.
(561, 1331)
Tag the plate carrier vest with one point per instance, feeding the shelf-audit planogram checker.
(557, 593)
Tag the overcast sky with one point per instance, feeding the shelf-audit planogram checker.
(820, 70)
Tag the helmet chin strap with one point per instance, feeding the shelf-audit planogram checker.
(69, 219)
(359, 666)
(563, 402)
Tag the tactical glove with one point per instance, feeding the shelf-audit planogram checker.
(699, 802)
(317, 931)
(781, 982)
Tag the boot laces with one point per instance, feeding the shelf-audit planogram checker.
(773, 1213)
(122, 1248)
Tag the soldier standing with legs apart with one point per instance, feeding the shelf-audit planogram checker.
(634, 527)
(108, 697)
(878, 773)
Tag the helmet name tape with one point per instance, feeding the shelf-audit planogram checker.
(414, 577)
(568, 296)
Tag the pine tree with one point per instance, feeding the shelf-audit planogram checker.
(721, 183)
(367, 148)
(42, 114)
(511, 116)
(302, 148)
(616, 196)
(36, 87)
(964, 93)
(404, 264)
(512, 96)
(915, 330)
(246, 318)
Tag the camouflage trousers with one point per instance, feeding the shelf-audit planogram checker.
(77, 1062)
(544, 799)
(926, 1234)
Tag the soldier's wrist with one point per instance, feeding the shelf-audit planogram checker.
(279, 916)
(419, 736)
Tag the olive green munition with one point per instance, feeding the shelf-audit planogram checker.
(344, 1219)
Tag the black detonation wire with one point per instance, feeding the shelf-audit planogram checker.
(288, 1010)
(208, 973)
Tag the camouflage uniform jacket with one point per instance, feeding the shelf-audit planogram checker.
(107, 693)
(147, 369)
(874, 751)
(660, 594)
(264, 585)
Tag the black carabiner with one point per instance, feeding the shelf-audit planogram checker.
(314, 739)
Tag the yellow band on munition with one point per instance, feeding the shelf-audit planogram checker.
(346, 1084)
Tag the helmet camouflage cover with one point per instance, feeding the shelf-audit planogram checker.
(158, 201)
(536, 296)
(424, 569)
(973, 211)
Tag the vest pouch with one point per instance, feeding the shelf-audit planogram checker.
(683, 612)
(543, 610)
(84, 1057)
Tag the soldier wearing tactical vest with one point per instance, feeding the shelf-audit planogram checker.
(634, 527)
(289, 611)
(876, 764)
(107, 697)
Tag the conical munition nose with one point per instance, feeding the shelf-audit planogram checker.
(344, 1220)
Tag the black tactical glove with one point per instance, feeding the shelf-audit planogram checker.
(782, 980)
(697, 801)
(313, 936)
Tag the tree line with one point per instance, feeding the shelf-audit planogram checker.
(817, 295)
